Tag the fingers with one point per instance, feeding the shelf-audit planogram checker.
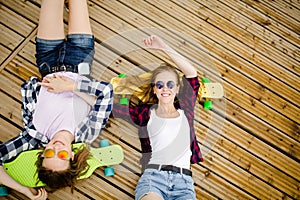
(44, 83)
(149, 40)
(42, 194)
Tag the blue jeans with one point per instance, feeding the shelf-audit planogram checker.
(77, 48)
(169, 185)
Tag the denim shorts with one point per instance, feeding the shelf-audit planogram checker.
(167, 184)
(77, 48)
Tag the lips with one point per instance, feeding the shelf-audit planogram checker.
(165, 94)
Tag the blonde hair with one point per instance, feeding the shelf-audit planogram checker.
(141, 87)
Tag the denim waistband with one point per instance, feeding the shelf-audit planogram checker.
(170, 168)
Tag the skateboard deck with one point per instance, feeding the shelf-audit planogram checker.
(211, 90)
(23, 168)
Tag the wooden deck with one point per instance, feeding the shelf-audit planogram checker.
(251, 139)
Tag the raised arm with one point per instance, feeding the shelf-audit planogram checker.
(156, 42)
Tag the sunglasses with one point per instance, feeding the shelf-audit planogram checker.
(50, 153)
(160, 84)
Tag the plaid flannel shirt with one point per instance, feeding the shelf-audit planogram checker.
(87, 131)
(139, 115)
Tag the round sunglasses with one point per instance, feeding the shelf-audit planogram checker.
(170, 84)
(62, 154)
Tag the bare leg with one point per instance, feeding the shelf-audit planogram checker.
(79, 21)
(151, 196)
(51, 24)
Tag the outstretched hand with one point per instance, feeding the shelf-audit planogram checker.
(57, 84)
(39, 194)
(155, 42)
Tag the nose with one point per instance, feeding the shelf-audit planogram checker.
(165, 87)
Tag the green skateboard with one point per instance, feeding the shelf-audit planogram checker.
(23, 168)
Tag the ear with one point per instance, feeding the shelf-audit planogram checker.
(73, 154)
(177, 91)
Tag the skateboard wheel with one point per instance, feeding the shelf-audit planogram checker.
(109, 171)
(207, 105)
(3, 191)
(104, 143)
(205, 80)
(122, 75)
(124, 101)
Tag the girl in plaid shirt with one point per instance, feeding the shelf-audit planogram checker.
(163, 111)
(65, 107)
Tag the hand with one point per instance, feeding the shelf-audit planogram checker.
(155, 42)
(39, 194)
(57, 84)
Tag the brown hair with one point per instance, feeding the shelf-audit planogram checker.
(55, 180)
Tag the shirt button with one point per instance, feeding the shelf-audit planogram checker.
(29, 106)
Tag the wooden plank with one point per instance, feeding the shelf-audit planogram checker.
(10, 84)
(25, 9)
(8, 130)
(293, 3)
(62, 194)
(276, 15)
(13, 20)
(124, 179)
(216, 185)
(9, 38)
(65, 193)
(264, 20)
(97, 188)
(229, 14)
(11, 110)
(200, 194)
(4, 52)
(252, 155)
(240, 178)
(284, 9)
(22, 68)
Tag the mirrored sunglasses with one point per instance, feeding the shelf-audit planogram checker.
(50, 153)
(170, 84)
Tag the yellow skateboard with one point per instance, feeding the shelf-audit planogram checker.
(207, 90)
(23, 168)
(210, 91)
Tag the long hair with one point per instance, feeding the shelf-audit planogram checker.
(55, 180)
(141, 87)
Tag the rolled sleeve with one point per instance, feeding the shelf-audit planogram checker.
(93, 124)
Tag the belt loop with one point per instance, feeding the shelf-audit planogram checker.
(64, 68)
(159, 167)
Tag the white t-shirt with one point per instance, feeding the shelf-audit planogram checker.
(170, 140)
(59, 111)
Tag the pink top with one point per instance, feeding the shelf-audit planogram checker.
(59, 111)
